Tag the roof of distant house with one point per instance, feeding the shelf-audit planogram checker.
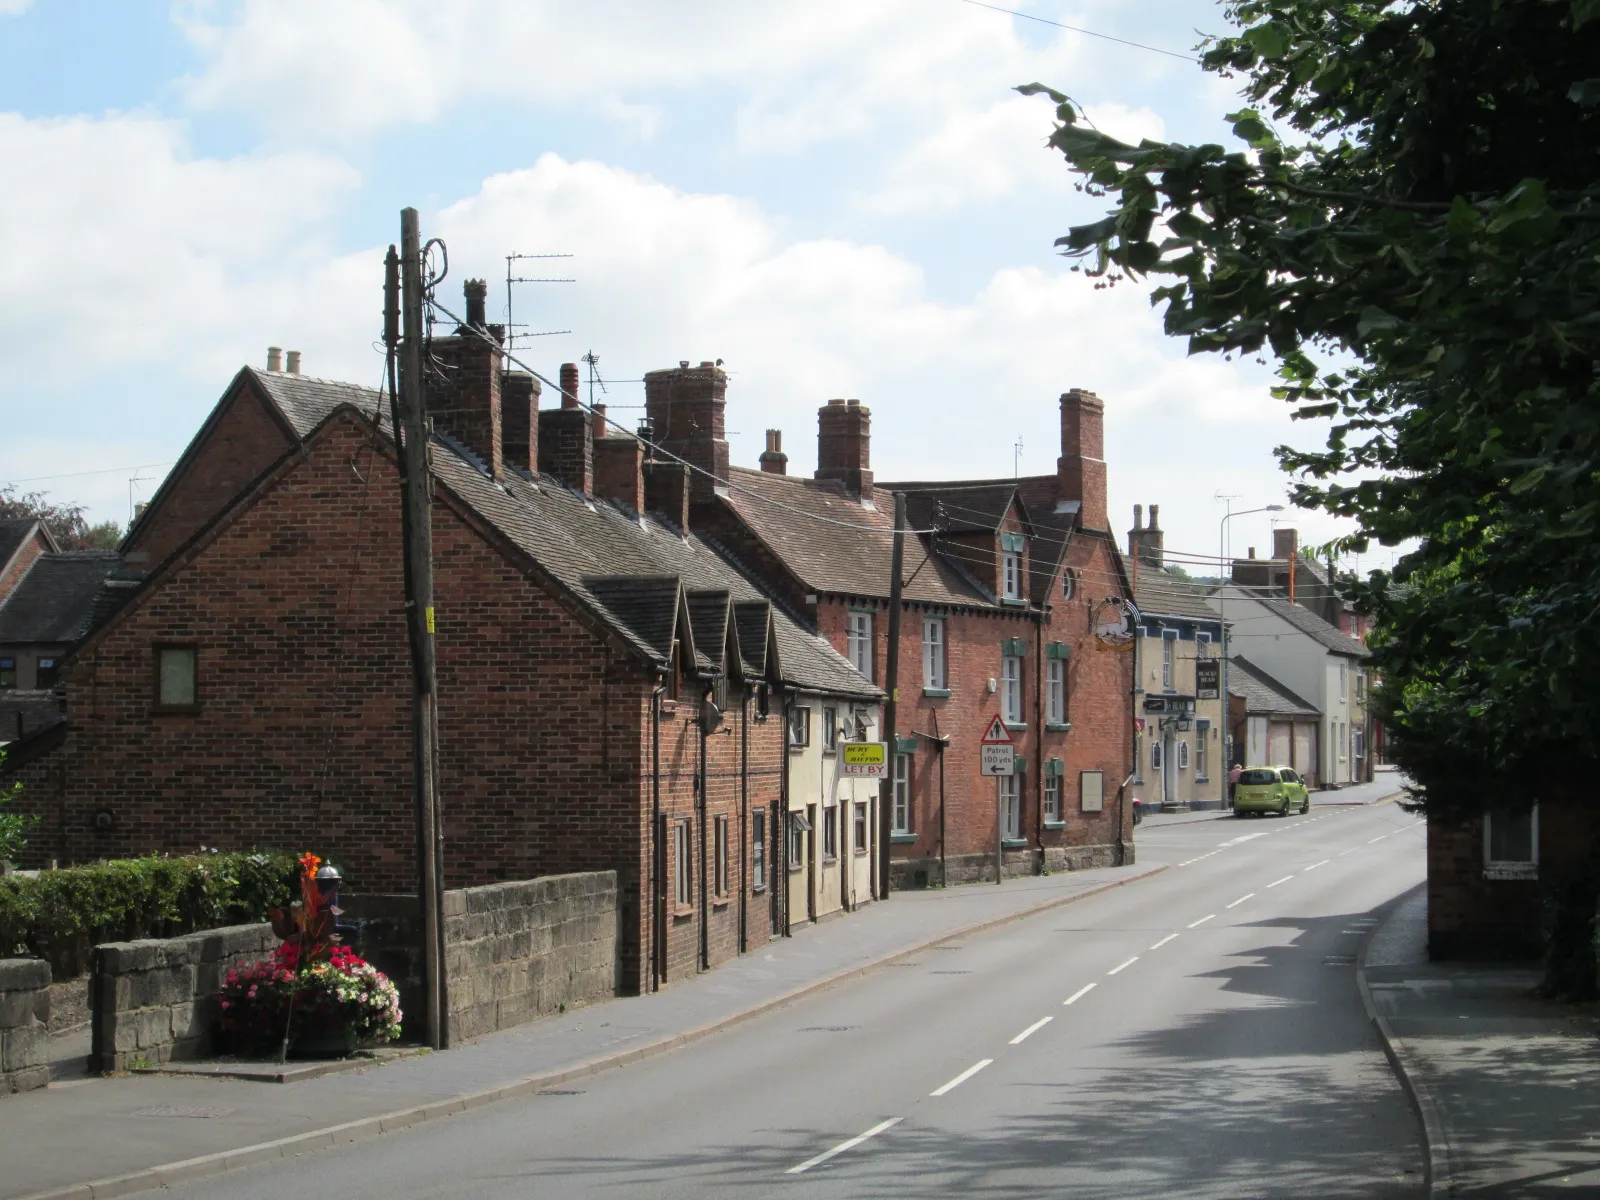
(632, 570)
(1309, 623)
(1159, 593)
(1262, 693)
(55, 600)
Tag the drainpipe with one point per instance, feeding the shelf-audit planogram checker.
(700, 802)
(1039, 715)
(780, 883)
(944, 878)
(658, 911)
(744, 821)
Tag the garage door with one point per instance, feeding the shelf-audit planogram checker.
(1278, 747)
(1305, 757)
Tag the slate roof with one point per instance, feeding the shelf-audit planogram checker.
(1162, 594)
(1263, 694)
(1309, 623)
(13, 532)
(589, 545)
(55, 600)
(956, 507)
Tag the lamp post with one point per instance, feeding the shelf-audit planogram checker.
(1222, 613)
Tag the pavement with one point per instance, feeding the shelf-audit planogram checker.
(1507, 1084)
(95, 1137)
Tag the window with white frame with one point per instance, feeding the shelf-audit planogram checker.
(1183, 755)
(1055, 690)
(933, 659)
(830, 833)
(1202, 644)
(719, 857)
(1202, 735)
(1010, 576)
(1011, 804)
(858, 642)
(1344, 679)
(1169, 646)
(902, 794)
(1011, 689)
(1155, 752)
(682, 857)
(1338, 738)
(859, 837)
(1052, 798)
(1511, 843)
(830, 728)
(800, 725)
(798, 828)
(758, 849)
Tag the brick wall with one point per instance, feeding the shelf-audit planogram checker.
(154, 1000)
(518, 951)
(24, 1021)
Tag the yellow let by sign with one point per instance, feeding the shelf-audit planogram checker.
(866, 759)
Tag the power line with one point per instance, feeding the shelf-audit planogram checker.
(81, 474)
(1079, 29)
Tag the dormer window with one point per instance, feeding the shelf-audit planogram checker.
(1011, 547)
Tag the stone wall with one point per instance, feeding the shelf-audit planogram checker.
(24, 1018)
(517, 951)
(154, 1000)
(910, 874)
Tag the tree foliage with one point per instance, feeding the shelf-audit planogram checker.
(66, 522)
(1410, 225)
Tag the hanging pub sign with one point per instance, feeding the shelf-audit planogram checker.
(1113, 623)
(1208, 679)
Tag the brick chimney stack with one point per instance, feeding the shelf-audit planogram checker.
(1081, 469)
(773, 460)
(464, 396)
(566, 437)
(569, 385)
(687, 408)
(619, 470)
(1146, 542)
(844, 446)
(519, 420)
(1285, 544)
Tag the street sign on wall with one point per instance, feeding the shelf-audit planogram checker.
(864, 760)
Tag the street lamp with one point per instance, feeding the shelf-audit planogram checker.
(1222, 613)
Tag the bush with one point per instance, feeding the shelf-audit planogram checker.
(1569, 933)
(341, 1004)
(60, 915)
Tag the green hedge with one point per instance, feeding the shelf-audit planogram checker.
(60, 915)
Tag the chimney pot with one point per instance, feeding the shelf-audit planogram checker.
(773, 460)
(1138, 516)
(1252, 551)
(274, 358)
(599, 412)
(706, 366)
(477, 293)
(569, 385)
(844, 446)
(294, 362)
(1155, 516)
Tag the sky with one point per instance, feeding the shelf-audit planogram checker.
(844, 198)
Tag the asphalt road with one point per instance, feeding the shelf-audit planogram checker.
(1196, 1032)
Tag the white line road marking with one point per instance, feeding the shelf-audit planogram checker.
(1247, 837)
(1185, 864)
(1315, 865)
(1240, 900)
(1342, 853)
(1123, 966)
(1034, 1028)
(1276, 882)
(1201, 921)
(845, 1145)
(1379, 838)
(1163, 941)
(962, 1078)
(1078, 995)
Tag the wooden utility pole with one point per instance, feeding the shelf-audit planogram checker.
(417, 501)
(891, 684)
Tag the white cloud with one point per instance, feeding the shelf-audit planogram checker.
(12, 8)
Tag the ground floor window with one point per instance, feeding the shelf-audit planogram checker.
(1155, 753)
(1511, 840)
(719, 857)
(861, 827)
(682, 857)
(902, 793)
(830, 833)
(1011, 805)
(798, 828)
(1052, 798)
(758, 849)
(1202, 733)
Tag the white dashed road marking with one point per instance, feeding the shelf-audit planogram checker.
(1163, 941)
(846, 1145)
(1276, 882)
(1315, 865)
(1240, 900)
(1078, 995)
(962, 1078)
(1034, 1028)
(1201, 921)
(1123, 966)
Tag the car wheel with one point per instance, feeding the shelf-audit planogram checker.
(1305, 805)
(1283, 809)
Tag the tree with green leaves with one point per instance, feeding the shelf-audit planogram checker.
(14, 826)
(66, 522)
(1409, 225)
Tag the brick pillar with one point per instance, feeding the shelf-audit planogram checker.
(566, 447)
(619, 471)
(519, 421)
(464, 393)
(666, 491)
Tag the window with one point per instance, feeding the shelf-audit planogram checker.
(830, 833)
(902, 793)
(681, 858)
(8, 672)
(47, 674)
(859, 844)
(1055, 683)
(798, 828)
(758, 849)
(1183, 755)
(1202, 645)
(1202, 735)
(1068, 582)
(1511, 843)
(858, 642)
(933, 674)
(1169, 643)
(830, 729)
(1052, 798)
(1338, 738)
(1361, 687)
(719, 857)
(1358, 742)
(1344, 679)
(1155, 753)
(800, 726)
(175, 677)
(1011, 576)
(1011, 689)
(1011, 804)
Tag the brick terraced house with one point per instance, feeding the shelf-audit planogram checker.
(612, 692)
(1003, 588)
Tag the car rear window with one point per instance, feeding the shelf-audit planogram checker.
(1258, 777)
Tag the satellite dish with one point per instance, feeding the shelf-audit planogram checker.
(710, 717)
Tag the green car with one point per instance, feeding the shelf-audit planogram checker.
(1270, 789)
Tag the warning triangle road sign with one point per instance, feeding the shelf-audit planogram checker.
(998, 734)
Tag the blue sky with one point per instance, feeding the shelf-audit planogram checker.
(839, 199)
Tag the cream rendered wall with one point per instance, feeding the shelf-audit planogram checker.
(821, 887)
(1190, 789)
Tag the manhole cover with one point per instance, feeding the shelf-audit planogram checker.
(829, 1028)
(949, 972)
(181, 1110)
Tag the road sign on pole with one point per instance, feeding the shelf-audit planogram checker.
(997, 751)
(997, 733)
